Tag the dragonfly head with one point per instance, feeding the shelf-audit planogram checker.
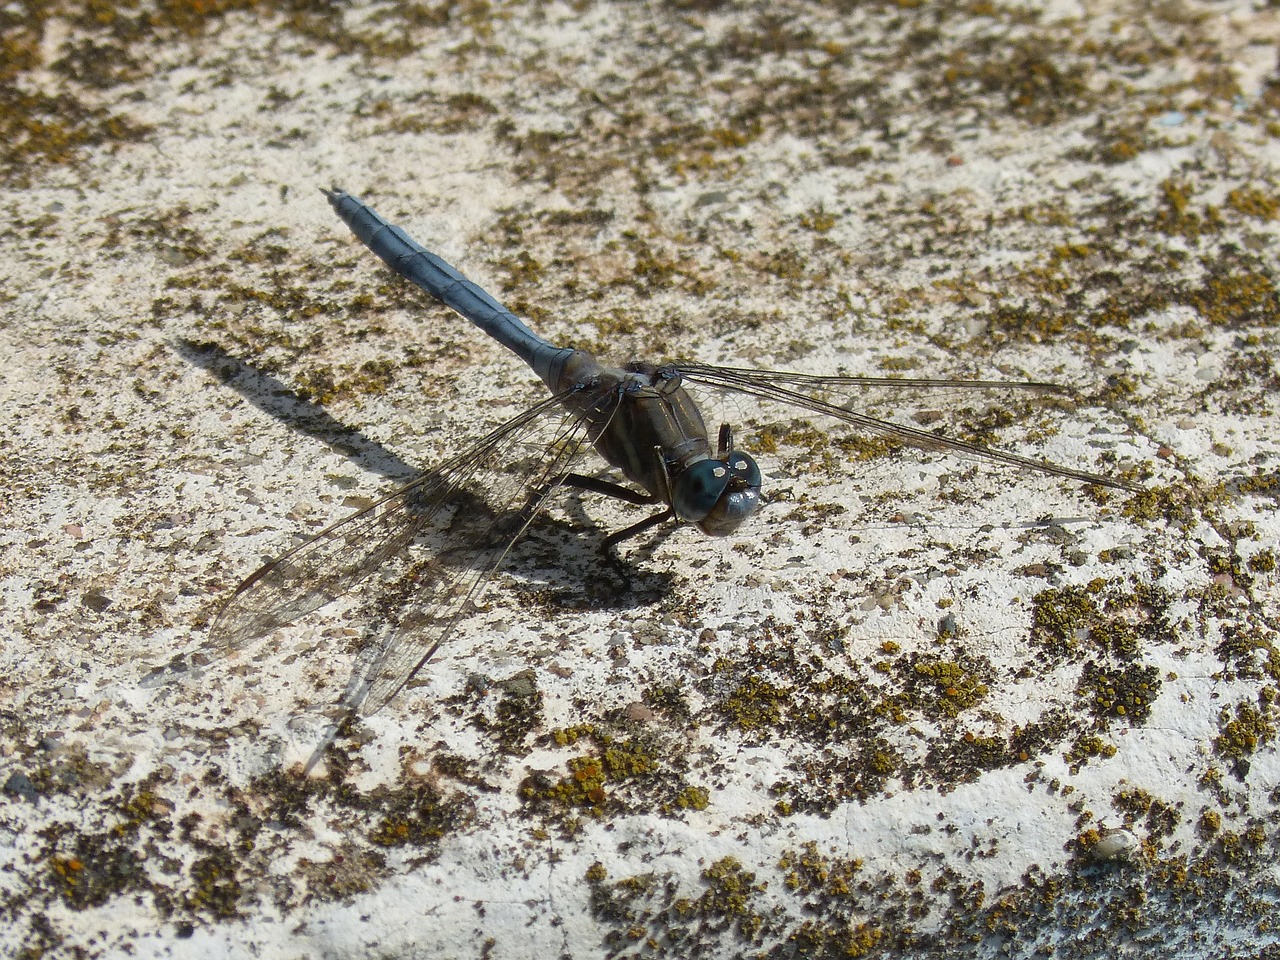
(717, 495)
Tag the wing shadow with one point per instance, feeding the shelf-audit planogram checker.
(585, 582)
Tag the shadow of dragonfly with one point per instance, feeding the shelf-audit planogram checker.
(434, 545)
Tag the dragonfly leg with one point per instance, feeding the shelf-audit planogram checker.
(608, 488)
(626, 533)
(725, 441)
(616, 490)
(593, 484)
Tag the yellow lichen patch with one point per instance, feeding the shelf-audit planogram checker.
(1235, 294)
(729, 896)
(808, 871)
(1176, 215)
(1087, 747)
(1110, 616)
(1244, 730)
(1255, 202)
(755, 703)
(619, 772)
(953, 688)
(818, 220)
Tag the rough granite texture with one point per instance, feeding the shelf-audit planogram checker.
(922, 706)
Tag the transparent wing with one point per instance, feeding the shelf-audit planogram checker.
(430, 594)
(781, 387)
(805, 381)
(333, 561)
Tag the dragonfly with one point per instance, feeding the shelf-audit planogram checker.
(436, 543)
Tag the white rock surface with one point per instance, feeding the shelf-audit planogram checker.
(921, 706)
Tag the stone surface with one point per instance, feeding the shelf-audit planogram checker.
(923, 705)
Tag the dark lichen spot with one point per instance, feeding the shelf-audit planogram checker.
(1250, 650)
(1107, 616)
(727, 903)
(215, 885)
(512, 717)
(419, 815)
(966, 757)
(1158, 817)
(1118, 693)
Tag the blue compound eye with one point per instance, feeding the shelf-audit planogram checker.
(743, 469)
(718, 495)
(697, 490)
(739, 499)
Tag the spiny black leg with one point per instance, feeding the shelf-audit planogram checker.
(592, 484)
(627, 533)
(608, 488)
(616, 490)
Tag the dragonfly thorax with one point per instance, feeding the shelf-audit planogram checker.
(717, 495)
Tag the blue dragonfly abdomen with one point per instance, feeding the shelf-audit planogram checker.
(640, 418)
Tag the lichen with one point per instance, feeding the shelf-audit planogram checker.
(1115, 618)
(1243, 731)
(620, 773)
(943, 687)
(1119, 693)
